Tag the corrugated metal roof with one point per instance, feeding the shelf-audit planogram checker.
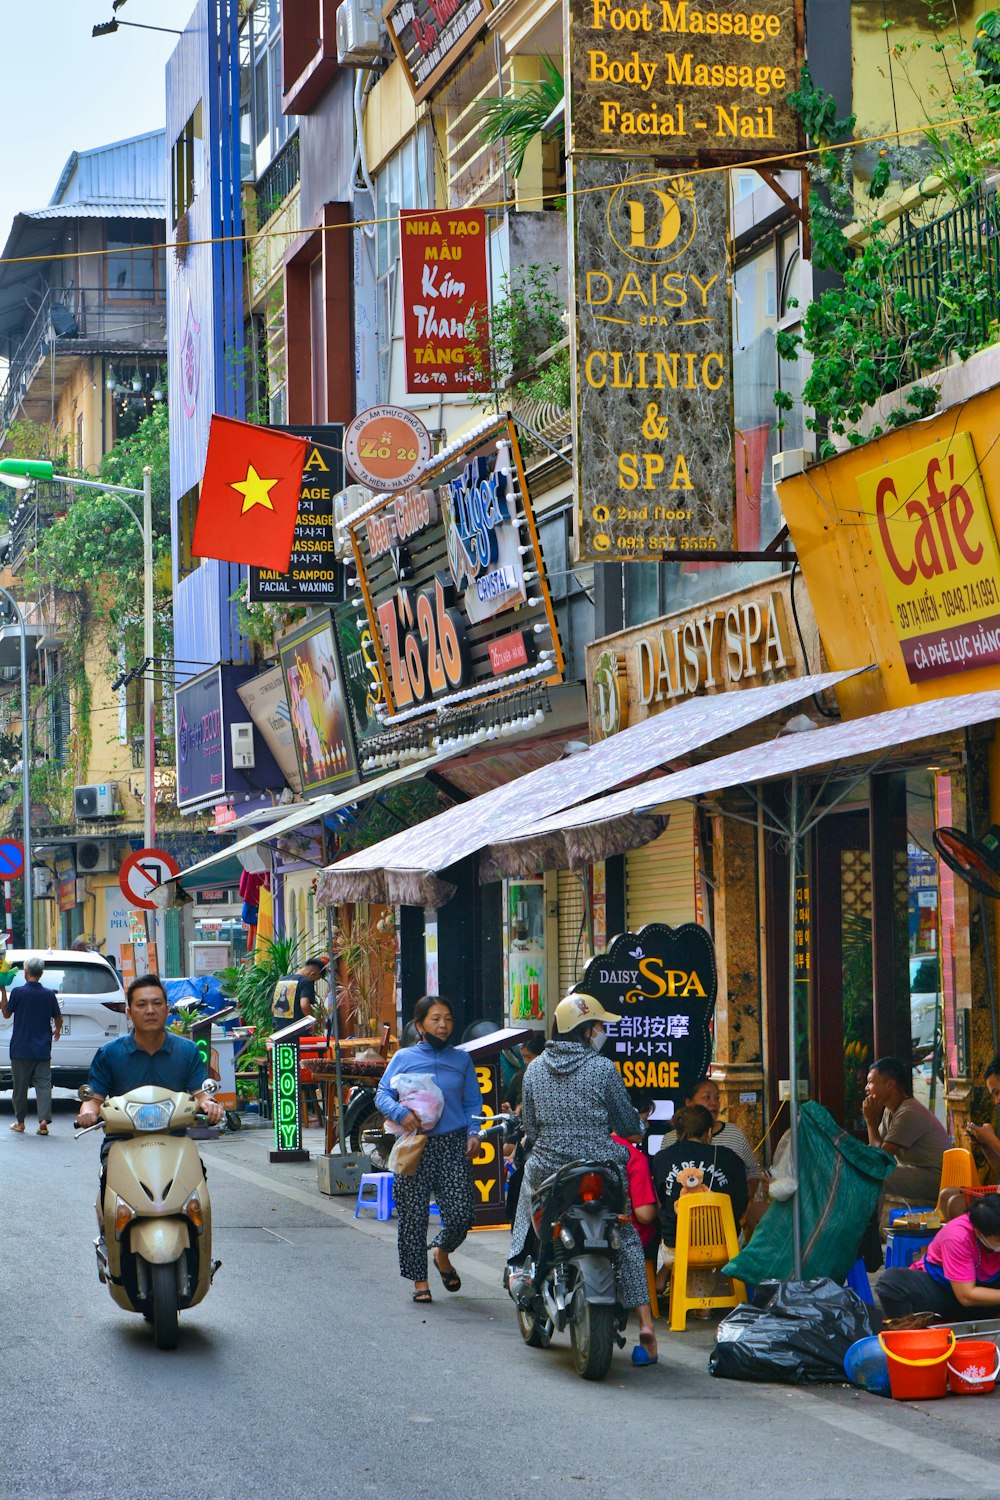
(134, 170)
(127, 209)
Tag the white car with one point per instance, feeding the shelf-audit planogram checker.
(92, 1002)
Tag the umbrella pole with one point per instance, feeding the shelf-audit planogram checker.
(793, 1040)
(333, 1026)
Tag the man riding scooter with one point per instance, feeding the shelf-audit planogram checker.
(150, 1055)
(153, 1212)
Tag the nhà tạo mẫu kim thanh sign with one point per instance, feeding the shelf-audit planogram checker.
(653, 359)
(683, 81)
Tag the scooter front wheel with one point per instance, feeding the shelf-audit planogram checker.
(164, 1287)
(592, 1335)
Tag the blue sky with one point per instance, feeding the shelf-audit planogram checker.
(65, 91)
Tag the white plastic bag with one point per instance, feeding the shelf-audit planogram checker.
(419, 1093)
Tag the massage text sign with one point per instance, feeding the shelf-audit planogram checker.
(654, 396)
(936, 548)
(313, 575)
(445, 299)
(662, 983)
(684, 82)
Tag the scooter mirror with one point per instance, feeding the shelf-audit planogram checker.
(85, 1092)
(210, 1086)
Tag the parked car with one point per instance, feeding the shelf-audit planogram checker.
(92, 1001)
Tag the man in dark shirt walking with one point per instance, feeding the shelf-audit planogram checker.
(37, 1019)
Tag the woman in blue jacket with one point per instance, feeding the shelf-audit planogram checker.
(445, 1166)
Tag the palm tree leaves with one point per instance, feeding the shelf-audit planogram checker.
(518, 117)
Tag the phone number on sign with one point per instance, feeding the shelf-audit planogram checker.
(666, 544)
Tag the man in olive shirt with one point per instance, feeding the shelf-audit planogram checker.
(902, 1127)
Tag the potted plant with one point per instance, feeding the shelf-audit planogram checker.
(363, 952)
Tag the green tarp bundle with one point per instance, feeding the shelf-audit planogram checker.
(839, 1184)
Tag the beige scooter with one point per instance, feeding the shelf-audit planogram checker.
(154, 1247)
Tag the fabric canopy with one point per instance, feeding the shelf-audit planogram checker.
(586, 826)
(404, 869)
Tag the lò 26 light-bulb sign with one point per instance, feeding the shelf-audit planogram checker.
(453, 581)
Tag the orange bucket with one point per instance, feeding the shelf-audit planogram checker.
(918, 1362)
(973, 1368)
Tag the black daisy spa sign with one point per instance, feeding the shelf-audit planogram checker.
(662, 981)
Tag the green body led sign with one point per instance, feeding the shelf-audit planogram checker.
(287, 1121)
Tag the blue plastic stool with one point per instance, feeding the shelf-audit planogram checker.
(857, 1280)
(435, 1212)
(901, 1250)
(382, 1201)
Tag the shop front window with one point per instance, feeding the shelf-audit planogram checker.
(524, 950)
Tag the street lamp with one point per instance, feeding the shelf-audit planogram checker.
(29, 895)
(19, 473)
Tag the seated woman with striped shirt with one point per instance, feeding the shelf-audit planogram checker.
(705, 1091)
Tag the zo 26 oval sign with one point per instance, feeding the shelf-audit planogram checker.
(387, 447)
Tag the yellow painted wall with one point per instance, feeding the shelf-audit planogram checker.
(390, 115)
(836, 553)
(894, 80)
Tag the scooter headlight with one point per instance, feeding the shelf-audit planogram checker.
(150, 1116)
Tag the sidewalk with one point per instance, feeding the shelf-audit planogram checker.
(481, 1260)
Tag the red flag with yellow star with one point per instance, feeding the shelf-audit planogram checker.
(249, 495)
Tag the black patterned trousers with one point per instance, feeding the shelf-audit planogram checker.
(446, 1172)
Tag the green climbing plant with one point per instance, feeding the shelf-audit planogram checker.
(515, 346)
(870, 334)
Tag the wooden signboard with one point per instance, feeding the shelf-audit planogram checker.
(454, 586)
(653, 353)
(431, 35)
(684, 82)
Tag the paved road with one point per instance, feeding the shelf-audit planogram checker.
(309, 1373)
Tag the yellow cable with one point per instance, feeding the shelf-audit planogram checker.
(653, 175)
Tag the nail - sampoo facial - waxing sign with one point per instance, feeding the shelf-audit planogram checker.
(683, 81)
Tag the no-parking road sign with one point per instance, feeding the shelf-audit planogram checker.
(11, 859)
(142, 872)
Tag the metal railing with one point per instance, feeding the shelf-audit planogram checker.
(950, 267)
(71, 317)
(277, 180)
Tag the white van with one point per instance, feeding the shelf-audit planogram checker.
(91, 999)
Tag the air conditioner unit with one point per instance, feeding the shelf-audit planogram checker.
(360, 39)
(41, 882)
(792, 461)
(95, 801)
(93, 858)
(241, 738)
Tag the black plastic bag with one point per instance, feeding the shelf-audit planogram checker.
(796, 1332)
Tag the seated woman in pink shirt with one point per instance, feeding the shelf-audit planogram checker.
(960, 1269)
(642, 1197)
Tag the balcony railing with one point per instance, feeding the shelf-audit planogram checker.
(84, 320)
(277, 180)
(950, 267)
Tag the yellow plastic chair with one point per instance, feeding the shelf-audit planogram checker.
(706, 1240)
(958, 1169)
(654, 1301)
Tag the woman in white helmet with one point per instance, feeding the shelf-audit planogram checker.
(572, 1100)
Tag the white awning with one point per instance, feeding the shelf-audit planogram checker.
(297, 817)
(404, 868)
(899, 734)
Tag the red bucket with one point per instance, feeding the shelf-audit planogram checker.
(973, 1368)
(918, 1362)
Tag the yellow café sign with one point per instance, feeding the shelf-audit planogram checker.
(937, 552)
(683, 81)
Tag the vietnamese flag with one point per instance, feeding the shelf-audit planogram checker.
(249, 495)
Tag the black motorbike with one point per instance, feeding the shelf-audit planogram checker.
(569, 1280)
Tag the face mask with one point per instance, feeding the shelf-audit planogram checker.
(437, 1042)
(597, 1037)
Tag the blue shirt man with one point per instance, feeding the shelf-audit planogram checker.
(151, 1055)
(35, 1009)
